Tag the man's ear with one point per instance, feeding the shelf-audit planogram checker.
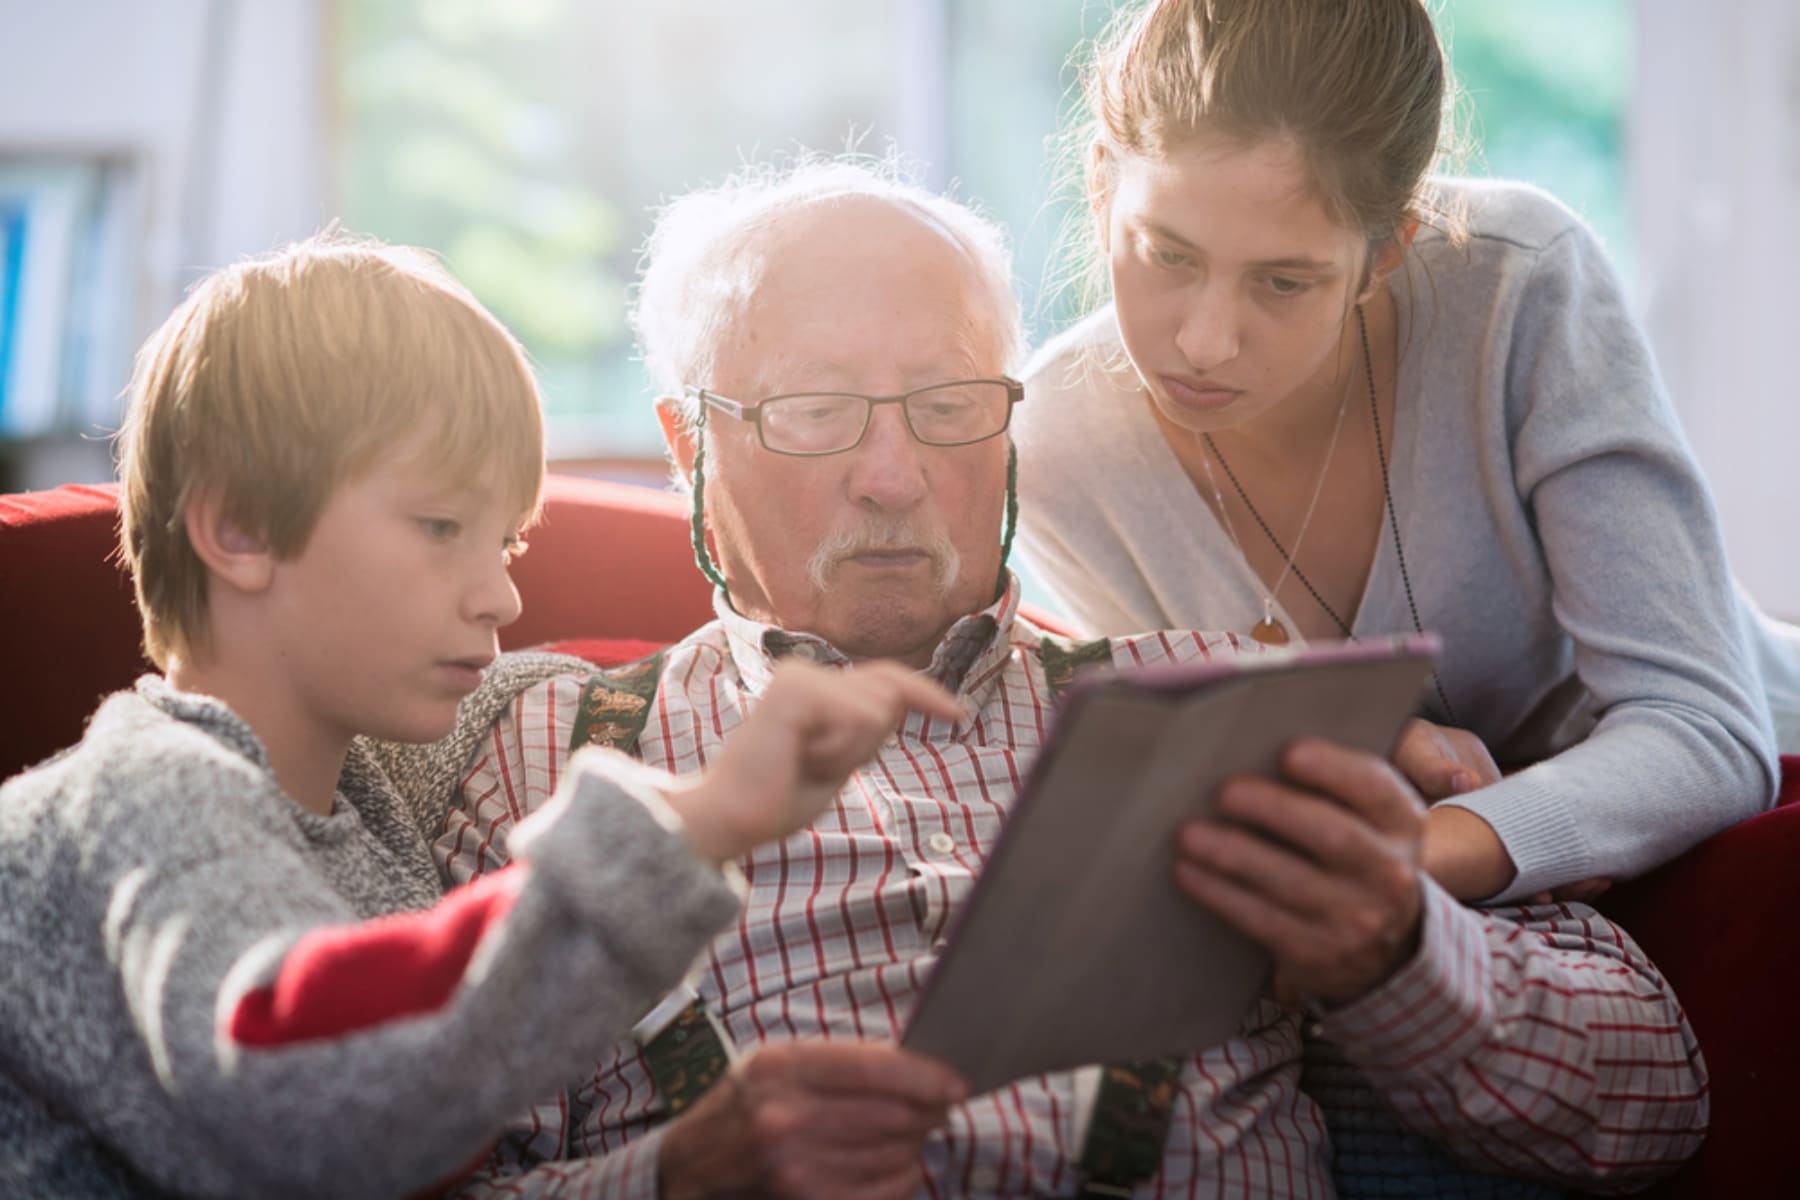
(238, 557)
(1387, 260)
(677, 433)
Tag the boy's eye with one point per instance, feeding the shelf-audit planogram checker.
(1285, 285)
(1168, 258)
(514, 546)
(440, 529)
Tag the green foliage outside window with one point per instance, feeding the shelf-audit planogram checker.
(1548, 84)
(526, 140)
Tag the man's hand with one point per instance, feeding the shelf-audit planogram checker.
(1442, 762)
(807, 1119)
(812, 726)
(1323, 870)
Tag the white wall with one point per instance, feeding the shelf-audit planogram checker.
(233, 161)
(1715, 154)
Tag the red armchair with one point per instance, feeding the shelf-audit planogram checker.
(611, 566)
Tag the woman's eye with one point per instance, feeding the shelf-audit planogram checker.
(1169, 258)
(1283, 285)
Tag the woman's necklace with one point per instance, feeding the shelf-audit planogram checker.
(1271, 631)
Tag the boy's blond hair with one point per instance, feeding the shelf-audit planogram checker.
(280, 378)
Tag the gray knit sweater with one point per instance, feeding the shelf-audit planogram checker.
(1557, 534)
(155, 873)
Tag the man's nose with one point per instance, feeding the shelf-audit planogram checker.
(1209, 326)
(888, 468)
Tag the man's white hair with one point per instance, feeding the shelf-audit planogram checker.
(697, 267)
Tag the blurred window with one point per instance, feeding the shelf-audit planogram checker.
(527, 141)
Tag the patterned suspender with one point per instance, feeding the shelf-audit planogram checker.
(615, 703)
(684, 1049)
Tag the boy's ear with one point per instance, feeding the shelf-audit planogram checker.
(238, 557)
(677, 434)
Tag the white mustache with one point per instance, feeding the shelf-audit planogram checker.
(886, 533)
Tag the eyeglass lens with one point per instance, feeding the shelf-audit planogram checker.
(945, 415)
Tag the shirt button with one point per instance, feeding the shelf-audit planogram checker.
(941, 843)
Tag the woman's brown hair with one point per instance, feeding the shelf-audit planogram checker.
(1360, 87)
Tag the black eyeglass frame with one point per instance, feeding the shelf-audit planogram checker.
(1015, 392)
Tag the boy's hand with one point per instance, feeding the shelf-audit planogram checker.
(811, 728)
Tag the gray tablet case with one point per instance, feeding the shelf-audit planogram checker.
(1074, 946)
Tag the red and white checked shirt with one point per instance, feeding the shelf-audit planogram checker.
(1539, 1041)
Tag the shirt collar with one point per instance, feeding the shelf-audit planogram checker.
(964, 658)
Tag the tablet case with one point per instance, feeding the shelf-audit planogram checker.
(1074, 946)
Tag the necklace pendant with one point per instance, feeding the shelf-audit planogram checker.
(1270, 632)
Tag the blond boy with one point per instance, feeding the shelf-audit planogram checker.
(229, 968)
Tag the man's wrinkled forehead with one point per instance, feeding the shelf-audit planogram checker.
(809, 266)
(846, 209)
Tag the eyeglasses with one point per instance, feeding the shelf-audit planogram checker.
(810, 424)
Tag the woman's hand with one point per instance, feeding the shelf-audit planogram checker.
(1465, 855)
(1462, 851)
(1441, 762)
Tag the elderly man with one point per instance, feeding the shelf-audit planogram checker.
(833, 347)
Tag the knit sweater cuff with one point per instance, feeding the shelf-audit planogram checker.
(608, 833)
(1537, 825)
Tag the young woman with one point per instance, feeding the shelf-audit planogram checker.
(1336, 397)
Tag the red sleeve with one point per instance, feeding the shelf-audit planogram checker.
(349, 977)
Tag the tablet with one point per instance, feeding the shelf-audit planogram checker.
(1074, 946)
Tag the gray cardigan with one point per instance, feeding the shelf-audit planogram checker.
(154, 873)
(1557, 533)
